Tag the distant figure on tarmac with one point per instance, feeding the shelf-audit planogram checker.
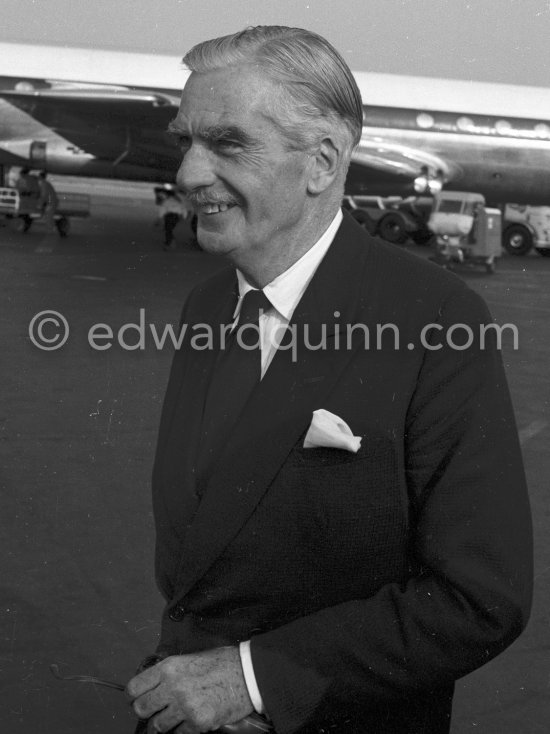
(48, 199)
(27, 183)
(172, 207)
(29, 191)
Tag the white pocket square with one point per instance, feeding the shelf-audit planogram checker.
(327, 429)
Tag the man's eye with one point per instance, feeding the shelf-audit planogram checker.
(228, 145)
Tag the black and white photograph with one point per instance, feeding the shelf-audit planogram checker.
(274, 395)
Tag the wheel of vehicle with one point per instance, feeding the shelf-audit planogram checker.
(364, 219)
(544, 251)
(517, 239)
(63, 226)
(391, 227)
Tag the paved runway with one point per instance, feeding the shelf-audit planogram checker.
(77, 433)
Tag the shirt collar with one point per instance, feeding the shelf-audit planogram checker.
(285, 291)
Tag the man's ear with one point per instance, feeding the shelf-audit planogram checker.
(325, 165)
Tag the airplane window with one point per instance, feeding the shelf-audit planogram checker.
(465, 123)
(424, 120)
(502, 126)
(542, 130)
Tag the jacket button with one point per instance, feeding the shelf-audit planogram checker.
(177, 613)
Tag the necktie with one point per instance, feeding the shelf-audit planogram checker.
(236, 374)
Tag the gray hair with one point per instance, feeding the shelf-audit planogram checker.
(319, 91)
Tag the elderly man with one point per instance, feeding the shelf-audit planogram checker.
(342, 525)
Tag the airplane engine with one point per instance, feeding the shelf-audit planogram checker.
(58, 158)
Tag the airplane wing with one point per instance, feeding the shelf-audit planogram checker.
(114, 126)
(115, 131)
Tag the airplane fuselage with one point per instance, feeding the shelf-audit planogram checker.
(505, 159)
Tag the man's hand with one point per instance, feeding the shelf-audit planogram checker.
(195, 693)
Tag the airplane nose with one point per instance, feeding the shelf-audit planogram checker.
(196, 169)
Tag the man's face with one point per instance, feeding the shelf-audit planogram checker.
(249, 189)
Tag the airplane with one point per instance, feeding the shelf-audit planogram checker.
(89, 112)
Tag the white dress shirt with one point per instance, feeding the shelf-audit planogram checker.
(284, 293)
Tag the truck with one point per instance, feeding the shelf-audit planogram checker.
(393, 218)
(526, 227)
(466, 230)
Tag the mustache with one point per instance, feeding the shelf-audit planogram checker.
(204, 198)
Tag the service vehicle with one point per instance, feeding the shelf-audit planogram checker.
(526, 227)
(24, 210)
(393, 218)
(466, 230)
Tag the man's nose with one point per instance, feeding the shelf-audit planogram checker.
(197, 169)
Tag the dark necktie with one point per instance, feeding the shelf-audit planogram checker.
(237, 372)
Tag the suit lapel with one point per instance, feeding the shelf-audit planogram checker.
(280, 409)
(185, 399)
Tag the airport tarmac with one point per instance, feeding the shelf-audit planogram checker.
(77, 433)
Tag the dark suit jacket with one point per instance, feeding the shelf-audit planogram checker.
(367, 582)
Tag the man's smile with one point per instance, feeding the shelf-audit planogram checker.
(214, 208)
